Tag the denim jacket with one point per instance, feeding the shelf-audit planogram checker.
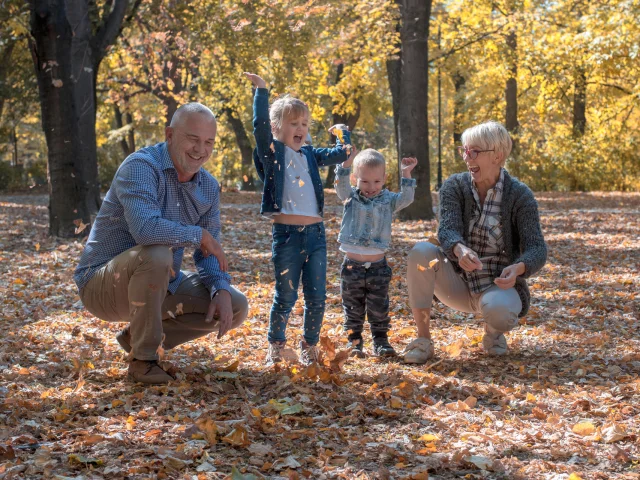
(366, 222)
(268, 158)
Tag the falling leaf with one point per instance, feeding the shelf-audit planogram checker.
(245, 178)
(80, 226)
(37, 247)
(284, 272)
(179, 309)
(421, 268)
(433, 262)
(57, 82)
(138, 304)
(300, 183)
(273, 149)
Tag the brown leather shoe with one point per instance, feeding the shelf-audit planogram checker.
(124, 339)
(150, 372)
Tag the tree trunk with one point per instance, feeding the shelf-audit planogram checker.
(348, 120)
(394, 73)
(580, 103)
(458, 107)
(66, 56)
(413, 127)
(128, 144)
(511, 96)
(5, 67)
(246, 151)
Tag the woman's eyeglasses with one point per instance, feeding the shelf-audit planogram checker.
(472, 154)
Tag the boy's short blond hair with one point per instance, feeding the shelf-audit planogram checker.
(286, 107)
(368, 158)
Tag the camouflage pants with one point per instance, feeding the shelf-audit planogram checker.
(365, 290)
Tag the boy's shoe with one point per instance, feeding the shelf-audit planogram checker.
(124, 339)
(494, 343)
(382, 347)
(419, 351)
(309, 354)
(274, 354)
(148, 372)
(357, 347)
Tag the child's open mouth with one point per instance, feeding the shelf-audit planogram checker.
(297, 138)
(474, 169)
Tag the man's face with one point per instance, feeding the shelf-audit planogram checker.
(370, 180)
(190, 143)
(293, 132)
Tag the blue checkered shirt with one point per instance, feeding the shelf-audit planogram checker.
(485, 238)
(147, 205)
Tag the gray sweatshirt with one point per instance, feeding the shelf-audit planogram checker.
(523, 240)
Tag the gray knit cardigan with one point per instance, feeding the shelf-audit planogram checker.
(523, 240)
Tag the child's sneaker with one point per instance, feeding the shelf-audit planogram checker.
(357, 347)
(274, 355)
(382, 347)
(308, 353)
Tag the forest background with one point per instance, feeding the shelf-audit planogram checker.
(563, 76)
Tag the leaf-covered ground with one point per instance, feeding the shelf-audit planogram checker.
(564, 404)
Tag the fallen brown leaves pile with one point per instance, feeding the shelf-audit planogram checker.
(564, 404)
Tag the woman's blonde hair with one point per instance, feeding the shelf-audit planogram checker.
(489, 135)
(286, 107)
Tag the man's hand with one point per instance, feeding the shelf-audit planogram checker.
(507, 278)
(220, 308)
(467, 258)
(257, 81)
(210, 246)
(408, 164)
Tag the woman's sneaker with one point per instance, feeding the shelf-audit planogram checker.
(308, 353)
(382, 347)
(357, 347)
(419, 351)
(274, 354)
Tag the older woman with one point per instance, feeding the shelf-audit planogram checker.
(490, 242)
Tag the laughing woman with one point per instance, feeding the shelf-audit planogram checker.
(490, 242)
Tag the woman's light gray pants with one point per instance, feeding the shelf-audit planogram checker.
(500, 308)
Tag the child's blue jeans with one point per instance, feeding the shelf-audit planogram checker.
(299, 251)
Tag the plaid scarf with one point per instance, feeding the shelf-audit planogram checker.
(485, 238)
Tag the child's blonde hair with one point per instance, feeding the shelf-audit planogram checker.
(368, 158)
(286, 107)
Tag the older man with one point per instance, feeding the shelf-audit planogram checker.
(161, 201)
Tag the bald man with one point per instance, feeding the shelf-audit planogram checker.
(161, 201)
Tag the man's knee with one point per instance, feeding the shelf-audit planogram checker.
(499, 316)
(423, 252)
(240, 309)
(160, 256)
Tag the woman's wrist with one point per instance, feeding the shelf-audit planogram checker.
(520, 268)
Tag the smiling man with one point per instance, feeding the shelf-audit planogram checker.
(161, 201)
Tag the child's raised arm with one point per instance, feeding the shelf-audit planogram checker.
(343, 172)
(261, 124)
(407, 185)
(338, 154)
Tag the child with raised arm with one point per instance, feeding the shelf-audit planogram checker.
(293, 197)
(364, 238)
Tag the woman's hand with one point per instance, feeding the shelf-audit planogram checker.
(257, 81)
(467, 258)
(507, 278)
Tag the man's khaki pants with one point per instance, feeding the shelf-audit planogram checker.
(500, 308)
(133, 287)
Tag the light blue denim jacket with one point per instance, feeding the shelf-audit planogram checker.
(366, 222)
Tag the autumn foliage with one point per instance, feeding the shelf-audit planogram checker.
(562, 404)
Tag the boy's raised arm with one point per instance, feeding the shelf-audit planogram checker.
(407, 185)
